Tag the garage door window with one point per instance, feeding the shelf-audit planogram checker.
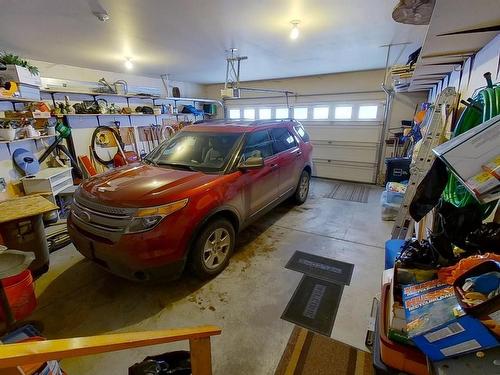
(249, 114)
(281, 113)
(283, 139)
(367, 112)
(234, 114)
(265, 113)
(321, 113)
(343, 112)
(300, 113)
(258, 144)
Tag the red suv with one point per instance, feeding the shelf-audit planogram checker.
(185, 203)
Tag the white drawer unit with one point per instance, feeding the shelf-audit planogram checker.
(50, 181)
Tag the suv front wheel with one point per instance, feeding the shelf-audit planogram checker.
(213, 248)
(302, 190)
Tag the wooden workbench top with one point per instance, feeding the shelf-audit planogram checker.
(23, 207)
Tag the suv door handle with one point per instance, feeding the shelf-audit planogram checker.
(274, 166)
(298, 153)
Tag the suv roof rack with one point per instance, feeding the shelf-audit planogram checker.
(269, 122)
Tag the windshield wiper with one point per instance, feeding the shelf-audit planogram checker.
(180, 166)
(150, 161)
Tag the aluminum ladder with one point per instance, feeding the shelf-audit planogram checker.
(436, 120)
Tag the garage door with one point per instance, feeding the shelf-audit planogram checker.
(345, 134)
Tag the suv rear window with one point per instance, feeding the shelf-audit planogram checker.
(283, 139)
(302, 132)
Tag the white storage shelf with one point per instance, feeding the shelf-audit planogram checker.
(49, 180)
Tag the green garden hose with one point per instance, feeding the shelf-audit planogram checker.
(489, 100)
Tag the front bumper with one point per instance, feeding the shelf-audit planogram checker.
(156, 254)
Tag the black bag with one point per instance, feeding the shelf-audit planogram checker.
(485, 239)
(429, 190)
(172, 363)
(457, 223)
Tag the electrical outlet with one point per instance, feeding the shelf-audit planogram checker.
(3, 185)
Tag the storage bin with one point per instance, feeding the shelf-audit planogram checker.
(21, 295)
(403, 358)
(28, 91)
(389, 211)
(392, 251)
(20, 74)
(487, 307)
(398, 169)
(7, 134)
(395, 197)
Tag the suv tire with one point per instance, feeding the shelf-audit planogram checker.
(302, 190)
(212, 249)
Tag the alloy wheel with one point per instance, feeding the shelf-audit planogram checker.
(216, 248)
(304, 186)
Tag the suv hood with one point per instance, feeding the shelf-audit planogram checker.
(143, 185)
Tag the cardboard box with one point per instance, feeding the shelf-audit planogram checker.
(439, 327)
(493, 167)
(466, 154)
(20, 75)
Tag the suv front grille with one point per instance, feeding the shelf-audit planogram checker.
(99, 219)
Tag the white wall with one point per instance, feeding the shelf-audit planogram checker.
(83, 127)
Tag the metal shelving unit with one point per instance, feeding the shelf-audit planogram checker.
(153, 98)
(17, 100)
(27, 139)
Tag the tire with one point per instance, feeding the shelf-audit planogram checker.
(208, 261)
(302, 190)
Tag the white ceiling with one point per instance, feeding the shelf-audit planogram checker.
(188, 38)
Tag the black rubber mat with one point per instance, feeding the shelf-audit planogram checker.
(314, 305)
(323, 268)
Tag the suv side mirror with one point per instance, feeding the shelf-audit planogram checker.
(254, 162)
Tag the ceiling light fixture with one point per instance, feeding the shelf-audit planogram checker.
(128, 63)
(294, 33)
(97, 10)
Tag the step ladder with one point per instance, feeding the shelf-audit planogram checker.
(436, 121)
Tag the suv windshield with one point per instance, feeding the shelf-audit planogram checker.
(197, 151)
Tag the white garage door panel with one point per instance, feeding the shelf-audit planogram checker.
(343, 171)
(351, 133)
(330, 150)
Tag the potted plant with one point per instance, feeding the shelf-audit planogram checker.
(19, 70)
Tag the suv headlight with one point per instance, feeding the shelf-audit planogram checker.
(149, 217)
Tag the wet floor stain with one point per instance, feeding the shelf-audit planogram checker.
(256, 242)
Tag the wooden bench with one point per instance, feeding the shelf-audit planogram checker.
(14, 355)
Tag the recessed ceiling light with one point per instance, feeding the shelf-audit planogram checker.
(128, 63)
(294, 33)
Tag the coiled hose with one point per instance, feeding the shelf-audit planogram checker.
(482, 107)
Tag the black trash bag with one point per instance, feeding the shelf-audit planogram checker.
(457, 223)
(418, 254)
(172, 363)
(444, 247)
(146, 367)
(485, 239)
(429, 190)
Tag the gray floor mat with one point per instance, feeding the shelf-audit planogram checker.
(351, 192)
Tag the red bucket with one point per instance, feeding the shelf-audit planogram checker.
(20, 292)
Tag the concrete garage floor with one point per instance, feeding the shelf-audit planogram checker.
(76, 298)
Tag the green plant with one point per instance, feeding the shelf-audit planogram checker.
(10, 58)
